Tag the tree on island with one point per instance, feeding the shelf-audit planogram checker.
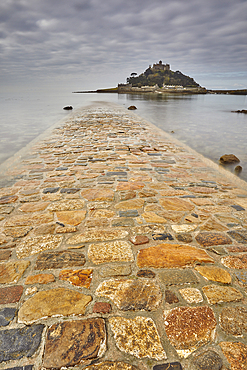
(152, 77)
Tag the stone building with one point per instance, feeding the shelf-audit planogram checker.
(161, 67)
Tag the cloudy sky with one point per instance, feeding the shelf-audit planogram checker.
(92, 44)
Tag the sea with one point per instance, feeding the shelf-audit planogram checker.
(205, 123)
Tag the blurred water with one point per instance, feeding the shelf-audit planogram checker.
(204, 122)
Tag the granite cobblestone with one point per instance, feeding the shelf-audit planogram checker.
(121, 249)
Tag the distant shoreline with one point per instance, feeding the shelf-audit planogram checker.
(172, 91)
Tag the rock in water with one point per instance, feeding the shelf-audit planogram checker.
(229, 158)
(132, 107)
(240, 111)
(238, 169)
(68, 107)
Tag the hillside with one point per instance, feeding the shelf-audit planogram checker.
(160, 75)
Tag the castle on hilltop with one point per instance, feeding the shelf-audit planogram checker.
(160, 67)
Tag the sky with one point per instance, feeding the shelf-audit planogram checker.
(90, 44)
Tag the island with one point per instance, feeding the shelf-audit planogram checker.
(160, 79)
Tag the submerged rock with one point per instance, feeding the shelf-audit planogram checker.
(229, 158)
(132, 107)
(68, 107)
(238, 169)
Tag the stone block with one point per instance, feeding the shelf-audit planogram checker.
(131, 295)
(17, 343)
(58, 260)
(47, 303)
(188, 328)
(171, 255)
(75, 342)
(138, 337)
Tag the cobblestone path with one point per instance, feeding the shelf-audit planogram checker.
(121, 249)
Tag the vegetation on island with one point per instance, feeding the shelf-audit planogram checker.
(152, 77)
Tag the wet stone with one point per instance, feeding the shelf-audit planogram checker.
(178, 277)
(170, 297)
(74, 342)
(130, 213)
(106, 365)
(138, 337)
(164, 236)
(208, 360)
(235, 262)
(242, 276)
(214, 273)
(39, 279)
(207, 239)
(11, 272)
(169, 366)
(69, 190)
(50, 190)
(61, 259)
(237, 207)
(47, 303)
(27, 367)
(216, 294)
(81, 278)
(236, 354)
(171, 255)
(8, 199)
(6, 315)
(146, 274)
(115, 270)
(129, 222)
(239, 235)
(101, 307)
(11, 294)
(131, 294)
(191, 295)
(139, 239)
(17, 343)
(118, 251)
(188, 328)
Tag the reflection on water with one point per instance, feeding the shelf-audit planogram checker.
(204, 122)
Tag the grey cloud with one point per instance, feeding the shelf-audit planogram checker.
(192, 35)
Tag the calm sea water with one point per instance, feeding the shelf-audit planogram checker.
(204, 122)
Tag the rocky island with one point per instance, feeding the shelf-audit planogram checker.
(160, 79)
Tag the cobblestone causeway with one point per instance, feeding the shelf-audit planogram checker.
(121, 249)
